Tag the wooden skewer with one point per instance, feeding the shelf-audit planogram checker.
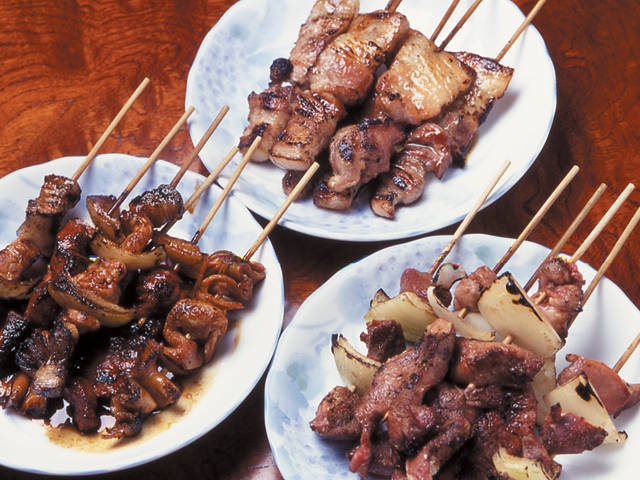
(125, 108)
(537, 217)
(567, 234)
(227, 189)
(612, 255)
(154, 156)
(444, 20)
(467, 220)
(289, 200)
(460, 23)
(212, 128)
(534, 11)
(392, 5)
(627, 353)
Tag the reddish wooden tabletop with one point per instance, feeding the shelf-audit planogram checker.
(67, 66)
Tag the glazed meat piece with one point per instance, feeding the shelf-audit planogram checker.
(314, 118)
(191, 333)
(327, 20)
(161, 205)
(421, 81)
(427, 149)
(616, 394)
(470, 288)
(269, 113)
(98, 207)
(384, 339)
(83, 405)
(335, 417)
(156, 292)
(44, 214)
(290, 180)
(14, 330)
(181, 252)
(399, 385)
(103, 278)
(347, 66)
(19, 270)
(463, 117)
(325, 197)
(568, 433)
(559, 296)
(485, 363)
(359, 153)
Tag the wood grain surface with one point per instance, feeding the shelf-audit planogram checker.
(67, 66)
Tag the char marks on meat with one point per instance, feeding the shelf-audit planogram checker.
(384, 339)
(335, 417)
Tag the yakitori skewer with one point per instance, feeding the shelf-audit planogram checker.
(125, 108)
(151, 160)
(467, 220)
(568, 232)
(200, 145)
(227, 189)
(289, 200)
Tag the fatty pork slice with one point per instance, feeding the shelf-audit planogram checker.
(327, 20)
(359, 153)
(346, 68)
(325, 197)
(464, 116)
(398, 388)
(421, 81)
(314, 118)
(269, 112)
(427, 149)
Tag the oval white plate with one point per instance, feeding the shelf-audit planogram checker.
(303, 370)
(234, 60)
(239, 363)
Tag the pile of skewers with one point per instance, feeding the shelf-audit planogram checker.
(376, 102)
(459, 376)
(104, 318)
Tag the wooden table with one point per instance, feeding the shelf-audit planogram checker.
(66, 66)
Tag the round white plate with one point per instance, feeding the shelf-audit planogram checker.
(237, 366)
(234, 60)
(303, 370)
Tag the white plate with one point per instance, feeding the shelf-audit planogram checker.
(234, 60)
(303, 370)
(234, 371)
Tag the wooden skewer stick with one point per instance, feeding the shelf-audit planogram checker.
(534, 11)
(154, 156)
(612, 255)
(125, 108)
(567, 234)
(227, 189)
(212, 128)
(191, 202)
(460, 23)
(444, 20)
(627, 354)
(392, 5)
(289, 200)
(537, 217)
(467, 220)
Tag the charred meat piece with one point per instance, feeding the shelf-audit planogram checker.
(327, 20)
(269, 113)
(486, 363)
(559, 296)
(14, 330)
(399, 385)
(291, 178)
(83, 405)
(157, 291)
(347, 66)
(192, 332)
(18, 269)
(359, 153)
(464, 116)
(569, 433)
(470, 288)
(421, 81)
(335, 417)
(161, 204)
(98, 207)
(325, 197)
(384, 339)
(314, 118)
(427, 149)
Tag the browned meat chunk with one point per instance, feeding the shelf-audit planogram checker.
(335, 417)
(384, 339)
(427, 149)
(470, 288)
(462, 118)
(161, 205)
(485, 363)
(569, 433)
(359, 153)
(327, 20)
(156, 292)
(346, 67)
(14, 330)
(83, 404)
(421, 81)
(19, 272)
(325, 197)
